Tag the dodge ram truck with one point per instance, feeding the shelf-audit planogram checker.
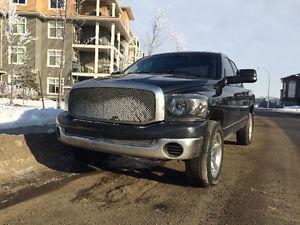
(173, 106)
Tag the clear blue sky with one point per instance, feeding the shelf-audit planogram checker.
(254, 33)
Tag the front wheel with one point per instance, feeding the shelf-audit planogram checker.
(244, 135)
(206, 168)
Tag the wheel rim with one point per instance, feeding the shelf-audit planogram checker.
(216, 155)
(250, 128)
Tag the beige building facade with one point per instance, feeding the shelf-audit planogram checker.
(98, 40)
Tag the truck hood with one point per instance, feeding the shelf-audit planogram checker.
(168, 83)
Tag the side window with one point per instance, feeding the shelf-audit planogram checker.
(228, 69)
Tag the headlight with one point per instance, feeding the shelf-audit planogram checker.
(178, 106)
(187, 105)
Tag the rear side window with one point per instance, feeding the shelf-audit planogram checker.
(228, 68)
(234, 68)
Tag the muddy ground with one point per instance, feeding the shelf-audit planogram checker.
(43, 183)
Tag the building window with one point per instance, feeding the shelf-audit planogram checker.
(20, 2)
(292, 89)
(54, 58)
(56, 30)
(20, 27)
(53, 85)
(284, 89)
(56, 4)
(17, 55)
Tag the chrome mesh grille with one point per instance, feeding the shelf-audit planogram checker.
(119, 105)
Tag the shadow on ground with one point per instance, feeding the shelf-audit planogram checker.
(229, 142)
(49, 152)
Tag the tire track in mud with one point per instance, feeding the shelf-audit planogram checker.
(256, 188)
(47, 182)
(266, 195)
(114, 189)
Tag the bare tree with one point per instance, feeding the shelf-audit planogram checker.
(3, 4)
(157, 36)
(62, 14)
(9, 12)
(26, 77)
(179, 40)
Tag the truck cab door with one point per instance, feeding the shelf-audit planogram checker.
(232, 100)
(242, 95)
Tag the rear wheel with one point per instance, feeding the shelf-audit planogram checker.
(244, 135)
(206, 168)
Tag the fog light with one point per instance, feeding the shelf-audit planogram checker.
(173, 150)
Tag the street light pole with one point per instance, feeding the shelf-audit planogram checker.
(269, 84)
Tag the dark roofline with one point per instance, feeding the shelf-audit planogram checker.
(296, 76)
(186, 52)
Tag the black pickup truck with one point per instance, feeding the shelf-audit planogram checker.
(174, 106)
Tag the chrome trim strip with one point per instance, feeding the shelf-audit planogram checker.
(155, 150)
(236, 107)
(159, 95)
(235, 123)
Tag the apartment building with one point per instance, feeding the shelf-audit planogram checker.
(99, 39)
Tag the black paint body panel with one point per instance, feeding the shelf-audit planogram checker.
(131, 132)
(229, 104)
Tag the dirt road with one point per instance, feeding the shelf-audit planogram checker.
(260, 184)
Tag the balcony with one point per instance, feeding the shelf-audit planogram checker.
(86, 36)
(108, 8)
(109, 11)
(90, 10)
(85, 65)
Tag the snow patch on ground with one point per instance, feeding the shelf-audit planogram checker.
(290, 109)
(296, 107)
(27, 114)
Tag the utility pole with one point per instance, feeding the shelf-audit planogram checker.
(269, 84)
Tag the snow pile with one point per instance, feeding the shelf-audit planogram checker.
(31, 114)
(292, 109)
(289, 109)
(296, 107)
(30, 103)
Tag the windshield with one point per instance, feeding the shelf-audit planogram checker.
(184, 65)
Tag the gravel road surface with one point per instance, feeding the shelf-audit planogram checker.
(260, 184)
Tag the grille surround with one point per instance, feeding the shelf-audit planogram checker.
(117, 103)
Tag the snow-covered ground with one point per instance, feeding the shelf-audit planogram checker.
(290, 109)
(29, 114)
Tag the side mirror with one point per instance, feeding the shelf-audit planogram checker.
(117, 72)
(243, 76)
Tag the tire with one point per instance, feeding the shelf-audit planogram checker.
(204, 171)
(89, 157)
(244, 135)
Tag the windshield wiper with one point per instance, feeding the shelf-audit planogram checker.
(184, 74)
(140, 72)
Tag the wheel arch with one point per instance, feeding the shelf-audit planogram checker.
(252, 109)
(217, 115)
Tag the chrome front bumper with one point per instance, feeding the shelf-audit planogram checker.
(153, 150)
